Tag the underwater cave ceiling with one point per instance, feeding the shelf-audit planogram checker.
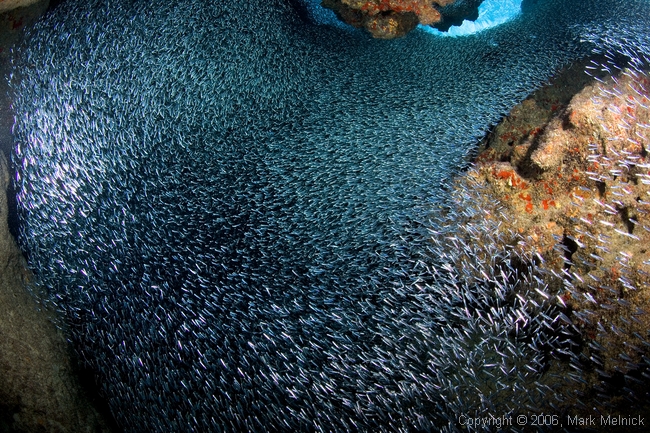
(7, 5)
(254, 227)
(388, 19)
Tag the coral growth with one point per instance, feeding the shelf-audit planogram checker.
(569, 187)
(388, 19)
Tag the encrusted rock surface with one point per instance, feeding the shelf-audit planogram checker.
(567, 184)
(38, 389)
(7, 5)
(388, 19)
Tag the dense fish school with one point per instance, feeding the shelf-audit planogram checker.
(238, 211)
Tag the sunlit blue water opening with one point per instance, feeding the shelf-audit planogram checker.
(491, 14)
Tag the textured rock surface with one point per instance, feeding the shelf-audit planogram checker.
(388, 19)
(38, 390)
(568, 185)
(7, 5)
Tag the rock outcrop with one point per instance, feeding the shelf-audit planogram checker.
(566, 182)
(388, 19)
(7, 5)
(39, 391)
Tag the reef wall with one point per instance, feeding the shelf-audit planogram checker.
(561, 191)
(244, 216)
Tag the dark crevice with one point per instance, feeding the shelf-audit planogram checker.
(12, 205)
(54, 4)
(570, 247)
(627, 219)
(301, 11)
(7, 417)
(91, 388)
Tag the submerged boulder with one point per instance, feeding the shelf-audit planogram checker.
(564, 180)
(395, 18)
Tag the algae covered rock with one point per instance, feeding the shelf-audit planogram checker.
(567, 184)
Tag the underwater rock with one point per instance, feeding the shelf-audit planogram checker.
(570, 185)
(395, 18)
(7, 5)
(38, 389)
(454, 13)
(246, 218)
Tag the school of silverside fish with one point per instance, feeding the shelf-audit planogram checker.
(245, 217)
